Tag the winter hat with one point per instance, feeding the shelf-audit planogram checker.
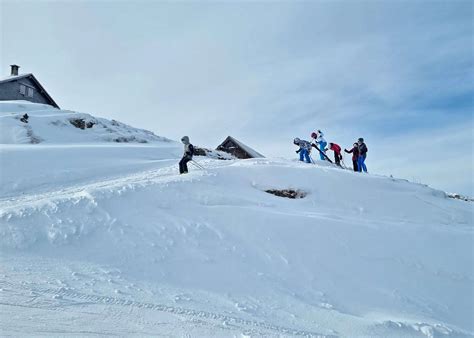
(296, 140)
(185, 139)
(361, 139)
(314, 135)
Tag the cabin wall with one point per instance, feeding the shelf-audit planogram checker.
(10, 91)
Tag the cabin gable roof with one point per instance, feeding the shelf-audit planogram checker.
(35, 81)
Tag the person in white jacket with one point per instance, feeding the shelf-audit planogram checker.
(187, 156)
(318, 137)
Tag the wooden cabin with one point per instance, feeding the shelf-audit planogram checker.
(24, 87)
(238, 149)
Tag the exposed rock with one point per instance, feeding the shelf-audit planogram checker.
(288, 193)
(24, 118)
(127, 139)
(78, 123)
(460, 197)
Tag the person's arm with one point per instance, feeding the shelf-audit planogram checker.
(349, 151)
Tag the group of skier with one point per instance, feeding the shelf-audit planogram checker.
(358, 151)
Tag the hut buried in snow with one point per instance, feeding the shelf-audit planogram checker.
(238, 149)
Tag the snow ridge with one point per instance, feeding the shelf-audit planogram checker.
(47, 124)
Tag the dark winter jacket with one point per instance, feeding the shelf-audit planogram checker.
(363, 149)
(354, 151)
(188, 150)
(335, 147)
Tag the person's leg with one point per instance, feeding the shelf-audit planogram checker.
(354, 164)
(336, 159)
(359, 164)
(185, 165)
(301, 155)
(181, 166)
(364, 167)
(322, 146)
(306, 155)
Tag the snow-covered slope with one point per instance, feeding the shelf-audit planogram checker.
(106, 238)
(146, 251)
(47, 124)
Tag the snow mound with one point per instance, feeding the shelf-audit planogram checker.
(212, 253)
(47, 124)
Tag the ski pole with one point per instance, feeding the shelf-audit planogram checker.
(197, 165)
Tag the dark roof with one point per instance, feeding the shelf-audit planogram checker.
(250, 152)
(35, 80)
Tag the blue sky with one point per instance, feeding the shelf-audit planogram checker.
(398, 73)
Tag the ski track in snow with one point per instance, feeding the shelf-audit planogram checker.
(67, 296)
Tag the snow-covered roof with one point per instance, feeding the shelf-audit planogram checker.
(14, 77)
(252, 152)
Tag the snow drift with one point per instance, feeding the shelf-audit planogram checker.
(134, 248)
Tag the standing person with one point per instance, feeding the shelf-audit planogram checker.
(187, 156)
(362, 155)
(355, 155)
(337, 153)
(304, 150)
(319, 139)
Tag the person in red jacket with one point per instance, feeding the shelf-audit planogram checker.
(355, 155)
(337, 153)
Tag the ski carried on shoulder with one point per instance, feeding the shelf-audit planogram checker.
(325, 156)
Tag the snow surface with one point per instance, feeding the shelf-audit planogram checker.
(107, 238)
(50, 125)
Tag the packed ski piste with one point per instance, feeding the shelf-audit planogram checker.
(101, 234)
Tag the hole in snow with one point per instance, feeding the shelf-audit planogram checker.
(288, 193)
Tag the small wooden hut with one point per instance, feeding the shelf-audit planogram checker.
(238, 149)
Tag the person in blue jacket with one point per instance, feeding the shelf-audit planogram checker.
(304, 150)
